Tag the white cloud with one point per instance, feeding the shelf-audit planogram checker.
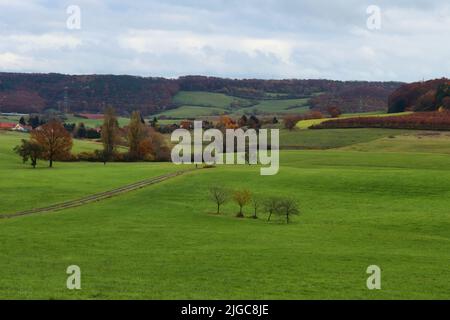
(14, 62)
(30, 42)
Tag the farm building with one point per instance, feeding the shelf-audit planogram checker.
(7, 125)
(21, 128)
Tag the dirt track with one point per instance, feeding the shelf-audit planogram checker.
(97, 196)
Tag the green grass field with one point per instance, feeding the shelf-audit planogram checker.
(192, 104)
(359, 207)
(24, 188)
(94, 123)
(331, 138)
(185, 112)
(206, 99)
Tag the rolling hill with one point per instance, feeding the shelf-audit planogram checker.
(33, 93)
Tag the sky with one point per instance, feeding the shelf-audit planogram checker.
(403, 40)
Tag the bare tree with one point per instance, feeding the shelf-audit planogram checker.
(271, 205)
(219, 195)
(288, 207)
(256, 204)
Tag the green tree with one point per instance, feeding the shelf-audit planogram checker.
(29, 150)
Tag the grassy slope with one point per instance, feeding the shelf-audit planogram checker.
(206, 99)
(411, 141)
(191, 104)
(161, 242)
(331, 138)
(42, 186)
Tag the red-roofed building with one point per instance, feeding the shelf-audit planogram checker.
(7, 125)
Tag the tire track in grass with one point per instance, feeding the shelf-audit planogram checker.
(97, 196)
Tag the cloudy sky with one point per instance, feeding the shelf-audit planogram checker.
(229, 38)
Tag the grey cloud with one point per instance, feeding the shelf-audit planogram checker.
(230, 38)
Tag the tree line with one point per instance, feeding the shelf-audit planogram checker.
(51, 141)
(416, 121)
(283, 207)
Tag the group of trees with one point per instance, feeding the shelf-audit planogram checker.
(283, 207)
(429, 95)
(417, 121)
(33, 93)
(290, 120)
(29, 93)
(51, 142)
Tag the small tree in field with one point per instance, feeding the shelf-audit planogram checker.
(242, 198)
(271, 205)
(29, 150)
(219, 195)
(256, 204)
(54, 139)
(287, 208)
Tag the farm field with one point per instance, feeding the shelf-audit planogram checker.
(66, 181)
(332, 138)
(206, 99)
(199, 104)
(358, 208)
(187, 112)
(94, 123)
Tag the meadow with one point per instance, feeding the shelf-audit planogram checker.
(359, 207)
(24, 188)
(194, 104)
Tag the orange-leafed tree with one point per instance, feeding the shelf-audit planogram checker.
(242, 198)
(290, 121)
(334, 112)
(54, 139)
(227, 123)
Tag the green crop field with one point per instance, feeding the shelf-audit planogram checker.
(185, 112)
(192, 104)
(207, 99)
(360, 205)
(94, 123)
(286, 105)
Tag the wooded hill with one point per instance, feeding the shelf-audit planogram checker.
(429, 95)
(28, 93)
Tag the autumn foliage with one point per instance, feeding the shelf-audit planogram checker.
(421, 96)
(290, 120)
(417, 120)
(55, 141)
